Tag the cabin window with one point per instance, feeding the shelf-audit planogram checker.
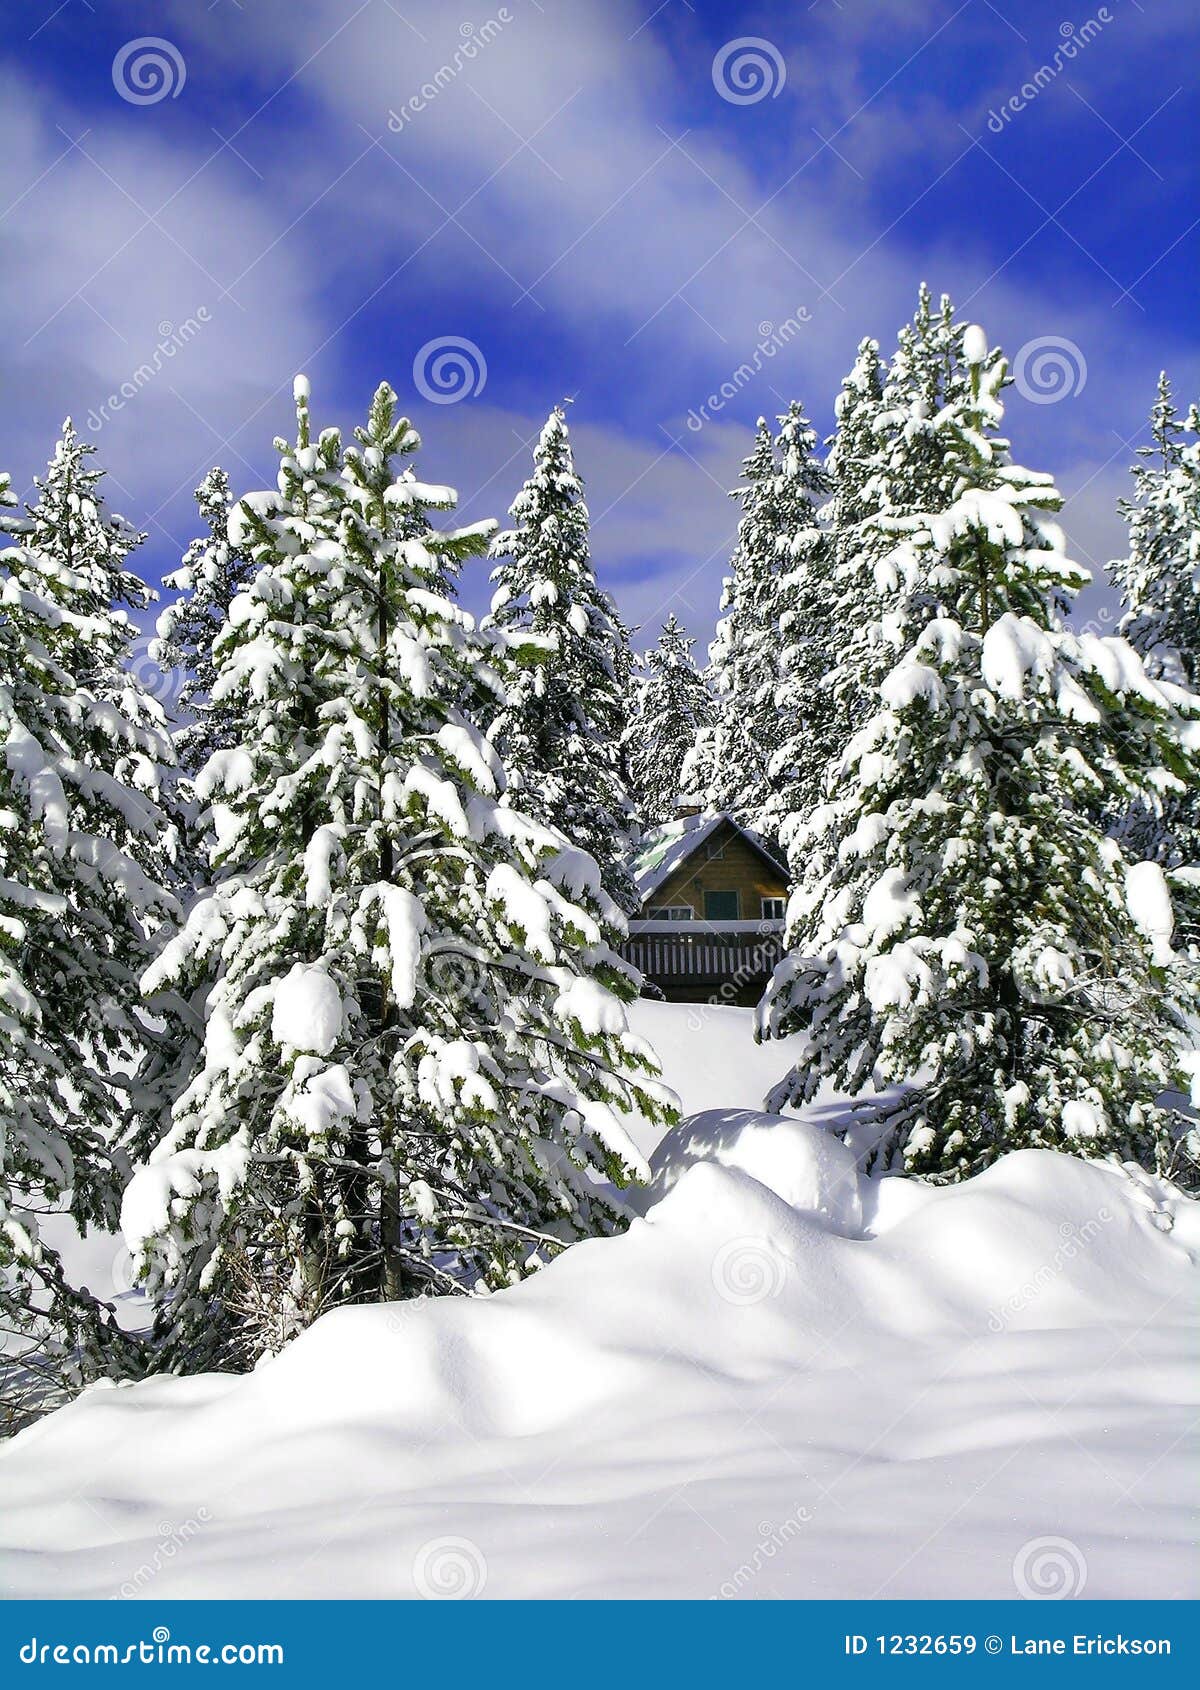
(773, 909)
(671, 912)
(714, 848)
(721, 906)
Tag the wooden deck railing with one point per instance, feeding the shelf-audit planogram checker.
(698, 953)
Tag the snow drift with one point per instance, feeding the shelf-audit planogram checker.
(708, 1056)
(784, 1380)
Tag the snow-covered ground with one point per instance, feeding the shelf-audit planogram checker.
(784, 1381)
(708, 1054)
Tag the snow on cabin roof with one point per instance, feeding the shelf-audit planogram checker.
(664, 849)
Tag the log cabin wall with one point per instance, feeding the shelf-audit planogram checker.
(722, 863)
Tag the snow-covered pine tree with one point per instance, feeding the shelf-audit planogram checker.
(416, 1059)
(1159, 578)
(817, 721)
(966, 930)
(69, 526)
(83, 852)
(810, 638)
(672, 707)
(894, 470)
(854, 443)
(892, 474)
(213, 572)
(820, 707)
(561, 729)
(781, 484)
(726, 764)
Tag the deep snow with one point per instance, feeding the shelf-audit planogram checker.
(869, 1388)
(709, 1057)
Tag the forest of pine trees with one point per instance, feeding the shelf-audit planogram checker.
(317, 987)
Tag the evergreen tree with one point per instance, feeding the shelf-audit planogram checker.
(84, 849)
(735, 760)
(854, 444)
(1160, 575)
(415, 1059)
(70, 528)
(212, 574)
(561, 729)
(896, 463)
(825, 589)
(672, 708)
(966, 929)
(1160, 581)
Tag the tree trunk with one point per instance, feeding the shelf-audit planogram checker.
(394, 1281)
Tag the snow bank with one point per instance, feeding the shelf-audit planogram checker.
(801, 1162)
(708, 1055)
(761, 1389)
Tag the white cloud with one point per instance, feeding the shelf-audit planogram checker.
(631, 234)
(94, 297)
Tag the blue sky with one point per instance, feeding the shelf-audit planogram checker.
(582, 201)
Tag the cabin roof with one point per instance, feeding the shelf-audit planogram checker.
(664, 849)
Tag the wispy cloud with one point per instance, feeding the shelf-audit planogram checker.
(579, 202)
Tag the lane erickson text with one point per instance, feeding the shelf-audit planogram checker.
(926, 1643)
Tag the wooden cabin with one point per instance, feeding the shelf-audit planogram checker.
(710, 923)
